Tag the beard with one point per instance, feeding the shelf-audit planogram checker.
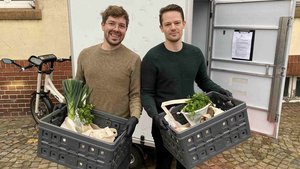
(114, 41)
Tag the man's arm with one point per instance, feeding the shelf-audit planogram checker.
(135, 90)
(148, 93)
(79, 72)
(148, 81)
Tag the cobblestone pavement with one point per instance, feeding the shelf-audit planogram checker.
(264, 152)
(18, 143)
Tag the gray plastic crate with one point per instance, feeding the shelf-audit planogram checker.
(78, 151)
(205, 140)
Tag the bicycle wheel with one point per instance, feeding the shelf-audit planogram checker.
(44, 108)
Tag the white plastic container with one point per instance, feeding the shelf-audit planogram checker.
(194, 120)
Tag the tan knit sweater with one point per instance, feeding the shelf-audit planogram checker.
(114, 77)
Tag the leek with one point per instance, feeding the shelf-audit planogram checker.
(76, 95)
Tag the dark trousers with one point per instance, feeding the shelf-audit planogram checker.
(163, 157)
(125, 163)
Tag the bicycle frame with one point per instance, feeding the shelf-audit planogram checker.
(40, 103)
(48, 87)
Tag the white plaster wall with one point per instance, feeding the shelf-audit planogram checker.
(143, 30)
(22, 38)
(295, 40)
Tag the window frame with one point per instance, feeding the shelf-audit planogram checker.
(17, 4)
(297, 10)
(291, 88)
(17, 13)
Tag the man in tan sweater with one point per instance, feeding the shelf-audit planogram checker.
(112, 70)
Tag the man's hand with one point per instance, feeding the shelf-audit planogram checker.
(226, 93)
(223, 100)
(160, 122)
(130, 126)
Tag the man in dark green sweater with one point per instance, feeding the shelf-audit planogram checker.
(168, 71)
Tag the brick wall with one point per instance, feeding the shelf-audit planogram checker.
(293, 68)
(16, 87)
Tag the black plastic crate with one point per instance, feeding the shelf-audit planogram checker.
(205, 140)
(79, 151)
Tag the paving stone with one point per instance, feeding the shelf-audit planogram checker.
(43, 165)
(26, 163)
(6, 167)
(270, 167)
(17, 165)
(35, 164)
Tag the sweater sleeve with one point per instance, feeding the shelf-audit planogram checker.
(135, 90)
(79, 72)
(148, 80)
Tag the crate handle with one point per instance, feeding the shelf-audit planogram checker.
(170, 102)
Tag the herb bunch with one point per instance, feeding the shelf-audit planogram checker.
(196, 102)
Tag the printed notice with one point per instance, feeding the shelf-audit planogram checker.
(242, 45)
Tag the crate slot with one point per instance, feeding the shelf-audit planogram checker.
(62, 157)
(45, 151)
(232, 120)
(46, 134)
(227, 140)
(80, 164)
(63, 140)
(54, 154)
(240, 116)
(207, 133)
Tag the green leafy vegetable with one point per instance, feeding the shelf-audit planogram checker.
(196, 102)
(76, 95)
(85, 115)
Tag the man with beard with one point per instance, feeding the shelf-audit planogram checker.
(168, 72)
(112, 70)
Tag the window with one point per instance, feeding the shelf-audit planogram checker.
(17, 4)
(19, 10)
(286, 87)
(297, 11)
(297, 93)
(292, 88)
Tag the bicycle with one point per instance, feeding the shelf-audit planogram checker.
(40, 102)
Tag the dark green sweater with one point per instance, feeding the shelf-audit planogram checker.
(167, 75)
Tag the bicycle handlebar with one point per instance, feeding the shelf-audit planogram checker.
(63, 59)
(37, 61)
(27, 67)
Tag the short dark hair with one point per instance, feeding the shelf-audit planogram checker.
(115, 11)
(171, 7)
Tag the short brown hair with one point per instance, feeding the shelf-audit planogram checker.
(115, 11)
(171, 7)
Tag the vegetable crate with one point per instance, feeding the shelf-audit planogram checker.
(78, 151)
(198, 143)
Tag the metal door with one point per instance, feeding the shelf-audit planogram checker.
(258, 78)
